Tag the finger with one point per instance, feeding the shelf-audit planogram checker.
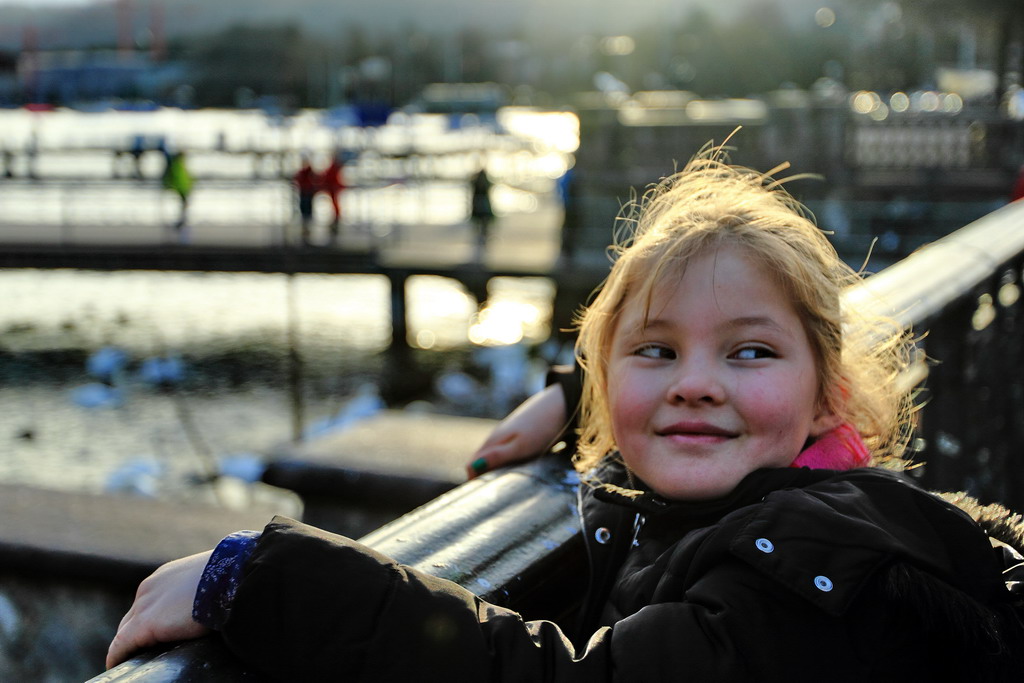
(476, 468)
(494, 457)
(129, 638)
(118, 651)
(487, 456)
(496, 439)
(485, 462)
(115, 653)
(133, 611)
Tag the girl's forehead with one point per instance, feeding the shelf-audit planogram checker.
(728, 274)
(666, 276)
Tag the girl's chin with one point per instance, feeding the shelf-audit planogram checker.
(691, 491)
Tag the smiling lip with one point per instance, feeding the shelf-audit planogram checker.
(701, 431)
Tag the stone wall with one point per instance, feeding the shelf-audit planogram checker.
(54, 630)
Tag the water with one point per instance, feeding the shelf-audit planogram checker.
(229, 331)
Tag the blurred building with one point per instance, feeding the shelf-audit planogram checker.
(77, 76)
(8, 78)
(450, 98)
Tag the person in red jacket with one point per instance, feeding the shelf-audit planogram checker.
(333, 183)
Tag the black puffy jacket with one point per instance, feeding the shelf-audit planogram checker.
(798, 575)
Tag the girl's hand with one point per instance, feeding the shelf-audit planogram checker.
(524, 434)
(162, 611)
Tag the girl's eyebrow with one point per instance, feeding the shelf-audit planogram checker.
(755, 321)
(733, 323)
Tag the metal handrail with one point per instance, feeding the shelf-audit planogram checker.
(511, 537)
(917, 288)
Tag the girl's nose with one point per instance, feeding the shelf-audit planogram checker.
(696, 381)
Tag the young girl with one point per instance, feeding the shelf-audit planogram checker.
(736, 529)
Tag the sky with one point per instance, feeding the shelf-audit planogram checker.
(46, 3)
(594, 16)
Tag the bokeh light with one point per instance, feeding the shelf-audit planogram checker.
(899, 102)
(825, 17)
(617, 46)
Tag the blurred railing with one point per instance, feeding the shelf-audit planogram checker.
(89, 210)
(964, 293)
(108, 205)
(512, 536)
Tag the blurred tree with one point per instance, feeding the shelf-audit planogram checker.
(873, 44)
(703, 45)
(355, 46)
(268, 60)
(901, 56)
(475, 63)
(409, 73)
(758, 51)
(939, 25)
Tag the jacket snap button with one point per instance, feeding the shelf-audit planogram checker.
(764, 545)
(823, 583)
(602, 535)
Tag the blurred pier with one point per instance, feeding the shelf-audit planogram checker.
(519, 244)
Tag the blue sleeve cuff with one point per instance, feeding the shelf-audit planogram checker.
(221, 577)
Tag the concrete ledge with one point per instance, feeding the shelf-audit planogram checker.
(114, 539)
(358, 487)
(71, 562)
(428, 445)
(360, 478)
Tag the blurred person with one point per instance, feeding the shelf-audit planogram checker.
(333, 183)
(1018, 186)
(31, 155)
(306, 182)
(178, 179)
(481, 211)
(568, 192)
(137, 149)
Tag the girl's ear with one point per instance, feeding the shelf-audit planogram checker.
(825, 421)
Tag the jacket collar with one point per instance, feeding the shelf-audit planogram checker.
(619, 486)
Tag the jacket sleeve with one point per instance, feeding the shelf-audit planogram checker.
(315, 606)
(570, 379)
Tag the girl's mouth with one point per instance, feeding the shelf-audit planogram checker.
(696, 430)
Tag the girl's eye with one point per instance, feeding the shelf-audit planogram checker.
(655, 351)
(753, 353)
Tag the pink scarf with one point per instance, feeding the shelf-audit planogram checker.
(838, 449)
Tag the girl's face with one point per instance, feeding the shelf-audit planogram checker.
(721, 380)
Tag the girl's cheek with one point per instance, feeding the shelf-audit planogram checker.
(629, 406)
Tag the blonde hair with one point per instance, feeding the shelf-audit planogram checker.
(710, 203)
